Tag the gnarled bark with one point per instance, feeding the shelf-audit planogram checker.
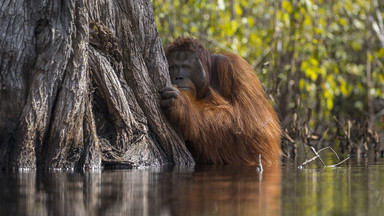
(79, 84)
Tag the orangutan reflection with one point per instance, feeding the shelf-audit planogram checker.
(229, 191)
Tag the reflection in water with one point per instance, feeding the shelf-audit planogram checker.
(354, 189)
(203, 190)
(229, 191)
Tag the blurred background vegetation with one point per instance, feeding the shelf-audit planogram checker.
(321, 61)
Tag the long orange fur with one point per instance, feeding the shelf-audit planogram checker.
(233, 124)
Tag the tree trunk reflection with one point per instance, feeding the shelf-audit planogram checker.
(200, 190)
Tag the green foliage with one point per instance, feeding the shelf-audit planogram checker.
(319, 50)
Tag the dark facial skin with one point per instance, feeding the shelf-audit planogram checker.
(187, 74)
(186, 70)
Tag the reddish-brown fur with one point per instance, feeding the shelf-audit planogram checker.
(232, 123)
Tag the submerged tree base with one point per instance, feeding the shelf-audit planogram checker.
(79, 86)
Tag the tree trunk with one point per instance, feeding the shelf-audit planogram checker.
(79, 84)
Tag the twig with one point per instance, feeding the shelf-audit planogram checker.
(308, 161)
(318, 156)
(338, 158)
(378, 26)
(286, 136)
(262, 56)
(217, 43)
(322, 138)
(335, 165)
(380, 113)
(339, 124)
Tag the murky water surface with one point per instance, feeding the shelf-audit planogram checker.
(355, 188)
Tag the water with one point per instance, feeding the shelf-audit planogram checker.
(355, 188)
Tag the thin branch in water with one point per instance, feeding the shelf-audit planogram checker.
(325, 148)
(318, 156)
(338, 158)
(308, 161)
(335, 165)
